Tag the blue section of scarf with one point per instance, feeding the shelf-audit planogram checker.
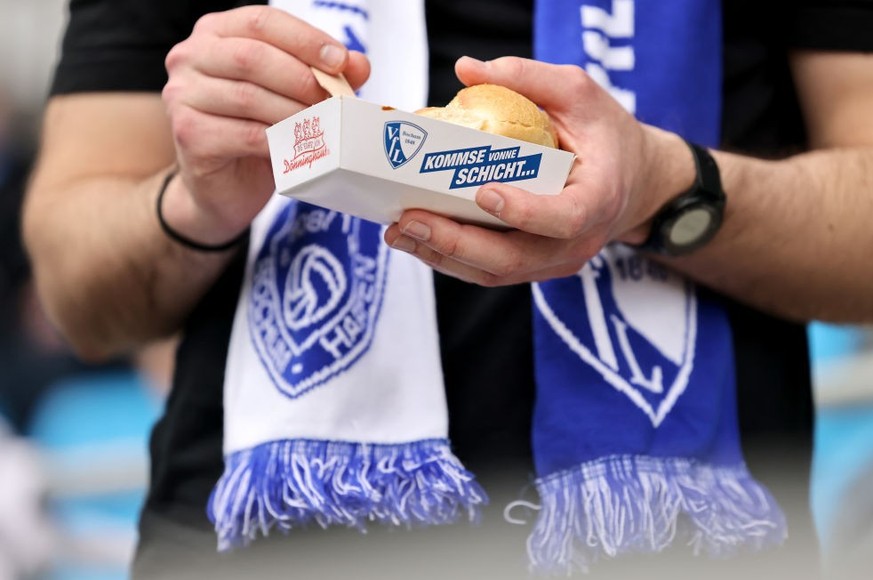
(636, 443)
(664, 58)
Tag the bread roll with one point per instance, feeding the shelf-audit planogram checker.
(498, 110)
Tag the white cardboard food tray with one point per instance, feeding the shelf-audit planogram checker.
(374, 162)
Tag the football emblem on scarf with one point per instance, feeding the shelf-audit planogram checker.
(636, 326)
(315, 298)
(314, 286)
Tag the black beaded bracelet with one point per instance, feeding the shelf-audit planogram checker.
(185, 241)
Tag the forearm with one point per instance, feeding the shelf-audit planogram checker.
(796, 238)
(108, 276)
(792, 242)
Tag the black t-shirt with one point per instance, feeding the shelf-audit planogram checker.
(120, 46)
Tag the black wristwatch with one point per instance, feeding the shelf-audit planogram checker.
(692, 219)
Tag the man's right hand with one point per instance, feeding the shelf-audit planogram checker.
(109, 277)
(239, 72)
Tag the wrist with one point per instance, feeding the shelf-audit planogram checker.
(668, 170)
(690, 220)
(185, 222)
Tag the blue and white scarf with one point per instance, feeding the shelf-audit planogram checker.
(334, 404)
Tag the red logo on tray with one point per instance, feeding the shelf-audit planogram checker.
(309, 144)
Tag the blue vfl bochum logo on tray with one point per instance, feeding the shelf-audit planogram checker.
(644, 352)
(402, 141)
(318, 283)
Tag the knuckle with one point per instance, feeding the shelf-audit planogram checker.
(310, 88)
(245, 96)
(578, 81)
(185, 127)
(488, 280)
(448, 247)
(253, 135)
(257, 18)
(175, 57)
(187, 53)
(206, 23)
(510, 264)
(434, 259)
(170, 92)
(246, 56)
(513, 66)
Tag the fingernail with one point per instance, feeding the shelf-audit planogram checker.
(417, 230)
(490, 201)
(331, 55)
(404, 244)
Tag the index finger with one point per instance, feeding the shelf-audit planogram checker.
(282, 30)
(533, 79)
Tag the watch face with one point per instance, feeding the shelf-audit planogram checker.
(691, 227)
(690, 220)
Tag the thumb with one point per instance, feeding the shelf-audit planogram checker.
(533, 79)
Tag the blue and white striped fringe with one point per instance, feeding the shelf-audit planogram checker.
(291, 484)
(632, 504)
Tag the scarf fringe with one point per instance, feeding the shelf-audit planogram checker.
(624, 504)
(291, 484)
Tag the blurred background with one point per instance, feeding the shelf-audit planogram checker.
(73, 437)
